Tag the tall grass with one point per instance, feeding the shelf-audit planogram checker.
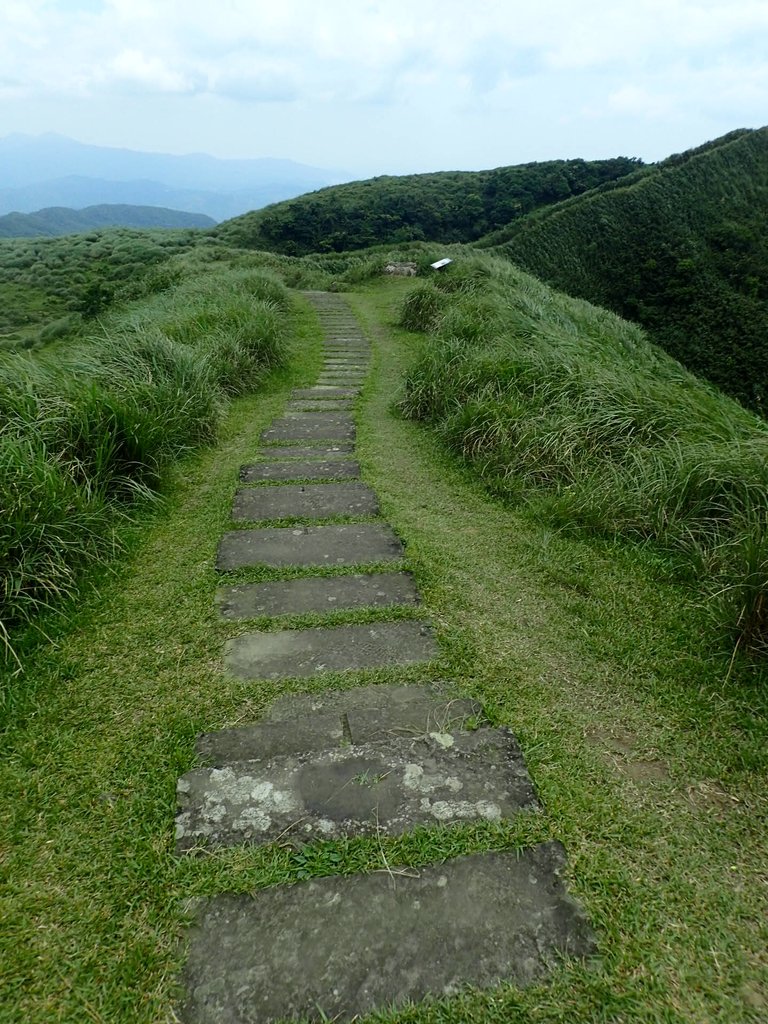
(85, 434)
(569, 409)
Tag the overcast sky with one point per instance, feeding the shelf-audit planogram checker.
(386, 87)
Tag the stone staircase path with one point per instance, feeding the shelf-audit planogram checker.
(370, 760)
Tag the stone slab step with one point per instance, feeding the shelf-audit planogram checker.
(292, 653)
(381, 788)
(335, 379)
(313, 469)
(324, 391)
(319, 405)
(347, 544)
(317, 594)
(374, 697)
(297, 451)
(304, 426)
(304, 501)
(336, 949)
(323, 732)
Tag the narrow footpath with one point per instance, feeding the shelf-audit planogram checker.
(375, 760)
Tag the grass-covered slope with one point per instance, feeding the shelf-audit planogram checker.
(86, 430)
(449, 206)
(681, 248)
(570, 409)
(61, 220)
(47, 285)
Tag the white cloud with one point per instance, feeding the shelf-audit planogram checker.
(493, 66)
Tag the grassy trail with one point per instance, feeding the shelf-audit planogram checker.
(649, 764)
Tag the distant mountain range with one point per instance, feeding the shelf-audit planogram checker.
(60, 220)
(42, 171)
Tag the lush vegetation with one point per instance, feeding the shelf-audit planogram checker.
(61, 220)
(681, 248)
(48, 286)
(86, 430)
(569, 409)
(450, 206)
(649, 762)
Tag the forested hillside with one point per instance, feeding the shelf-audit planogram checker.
(449, 206)
(682, 249)
(61, 220)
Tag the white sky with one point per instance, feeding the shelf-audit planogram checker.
(386, 87)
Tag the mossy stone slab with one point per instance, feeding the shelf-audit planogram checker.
(311, 426)
(324, 391)
(386, 787)
(318, 594)
(339, 948)
(266, 740)
(291, 653)
(346, 544)
(311, 469)
(304, 501)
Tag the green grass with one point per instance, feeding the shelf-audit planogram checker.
(649, 762)
(88, 431)
(567, 408)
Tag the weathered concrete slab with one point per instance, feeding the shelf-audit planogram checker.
(324, 391)
(339, 948)
(290, 653)
(317, 594)
(348, 544)
(319, 405)
(374, 697)
(323, 732)
(386, 787)
(304, 426)
(341, 379)
(312, 469)
(304, 501)
(297, 451)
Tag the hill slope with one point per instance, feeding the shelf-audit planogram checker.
(61, 220)
(448, 206)
(681, 248)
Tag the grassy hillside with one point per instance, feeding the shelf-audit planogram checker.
(47, 286)
(61, 220)
(86, 430)
(450, 206)
(570, 410)
(681, 248)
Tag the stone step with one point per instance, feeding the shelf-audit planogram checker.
(324, 391)
(303, 426)
(319, 405)
(324, 732)
(336, 949)
(292, 653)
(297, 451)
(347, 544)
(382, 788)
(341, 379)
(374, 697)
(314, 469)
(318, 594)
(304, 501)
